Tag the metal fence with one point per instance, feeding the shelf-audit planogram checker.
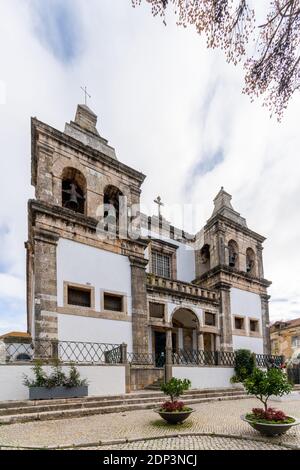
(155, 360)
(65, 351)
(220, 358)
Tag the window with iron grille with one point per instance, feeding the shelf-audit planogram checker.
(113, 302)
(239, 323)
(161, 264)
(210, 319)
(156, 310)
(78, 296)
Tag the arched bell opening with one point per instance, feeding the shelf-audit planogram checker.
(73, 190)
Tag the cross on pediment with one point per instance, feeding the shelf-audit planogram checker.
(86, 94)
(159, 204)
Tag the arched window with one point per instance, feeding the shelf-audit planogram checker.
(73, 190)
(112, 202)
(250, 261)
(205, 255)
(233, 254)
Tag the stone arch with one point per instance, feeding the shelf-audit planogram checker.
(250, 261)
(73, 190)
(187, 323)
(112, 205)
(233, 254)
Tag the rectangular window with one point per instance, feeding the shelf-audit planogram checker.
(295, 341)
(254, 327)
(113, 302)
(156, 310)
(79, 296)
(239, 323)
(161, 264)
(210, 319)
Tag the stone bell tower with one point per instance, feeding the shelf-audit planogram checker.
(229, 259)
(74, 173)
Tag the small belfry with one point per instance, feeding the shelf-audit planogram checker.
(162, 292)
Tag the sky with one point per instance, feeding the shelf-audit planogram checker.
(172, 109)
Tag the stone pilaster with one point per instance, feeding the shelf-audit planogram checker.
(139, 305)
(200, 341)
(169, 362)
(265, 322)
(260, 267)
(45, 285)
(225, 317)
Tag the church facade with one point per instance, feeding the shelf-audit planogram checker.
(153, 288)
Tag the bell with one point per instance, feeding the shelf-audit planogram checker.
(72, 203)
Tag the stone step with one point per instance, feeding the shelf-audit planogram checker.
(42, 407)
(133, 395)
(76, 413)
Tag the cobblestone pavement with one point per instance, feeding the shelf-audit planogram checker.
(217, 417)
(194, 443)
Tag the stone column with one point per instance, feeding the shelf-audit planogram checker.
(264, 298)
(260, 267)
(45, 285)
(220, 244)
(225, 316)
(169, 362)
(218, 343)
(139, 305)
(200, 341)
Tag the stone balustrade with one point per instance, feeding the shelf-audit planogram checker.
(181, 287)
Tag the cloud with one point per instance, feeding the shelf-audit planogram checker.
(172, 109)
(57, 27)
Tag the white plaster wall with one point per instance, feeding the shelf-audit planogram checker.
(83, 264)
(103, 380)
(246, 342)
(98, 330)
(205, 377)
(245, 303)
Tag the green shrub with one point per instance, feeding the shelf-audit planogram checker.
(57, 378)
(175, 387)
(263, 384)
(244, 365)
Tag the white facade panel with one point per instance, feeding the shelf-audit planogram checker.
(98, 330)
(83, 264)
(205, 377)
(245, 303)
(246, 342)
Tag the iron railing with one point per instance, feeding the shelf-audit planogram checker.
(157, 360)
(268, 360)
(65, 351)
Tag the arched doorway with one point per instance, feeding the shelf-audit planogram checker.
(185, 324)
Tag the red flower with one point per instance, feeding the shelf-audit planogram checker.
(171, 406)
(270, 414)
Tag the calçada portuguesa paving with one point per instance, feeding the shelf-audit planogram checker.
(215, 425)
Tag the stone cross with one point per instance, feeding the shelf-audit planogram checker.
(160, 204)
(85, 94)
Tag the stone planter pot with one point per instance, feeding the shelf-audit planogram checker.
(270, 429)
(174, 417)
(43, 393)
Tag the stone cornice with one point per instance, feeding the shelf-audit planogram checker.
(231, 223)
(69, 217)
(64, 139)
(228, 271)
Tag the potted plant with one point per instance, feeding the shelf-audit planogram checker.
(56, 385)
(173, 410)
(263, 384)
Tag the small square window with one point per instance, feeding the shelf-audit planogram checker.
(113, 302)
(156, 310)
(79, 296)
(254, 326)
(210, 319)
(239, 323)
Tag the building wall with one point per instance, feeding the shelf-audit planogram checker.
(94, 330)
(248, 305)
(83, 264)
(103, 380)
(205, 377)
